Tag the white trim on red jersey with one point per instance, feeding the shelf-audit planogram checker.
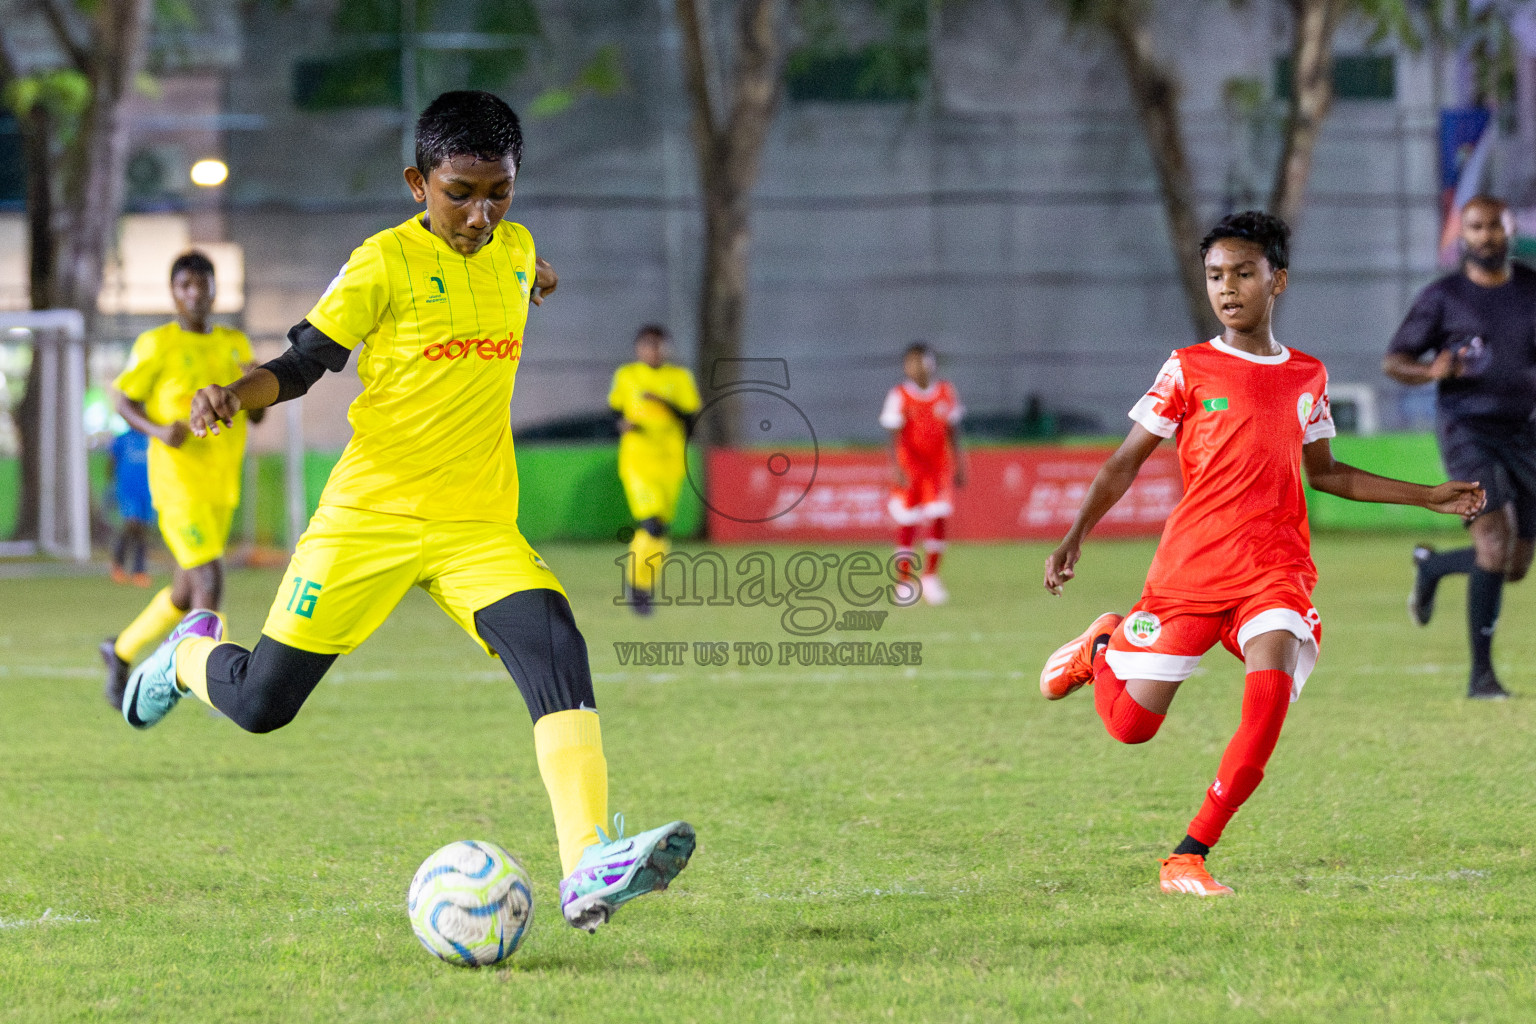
(1221, 346)
(892, 415)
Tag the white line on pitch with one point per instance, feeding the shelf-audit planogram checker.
(48, 917)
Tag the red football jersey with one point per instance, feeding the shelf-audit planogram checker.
(1241, 421)
(923, 416)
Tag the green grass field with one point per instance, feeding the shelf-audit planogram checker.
(927, 844)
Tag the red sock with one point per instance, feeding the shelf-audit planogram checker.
(934, 546)
(906, 536)
(1266, 698)
(1126, 720)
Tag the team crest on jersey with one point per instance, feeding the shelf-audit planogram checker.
(436, 290)
(334, 282)
(1304, 407)
(1143, 629)
(522, 282)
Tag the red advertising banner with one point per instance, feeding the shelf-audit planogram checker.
(1022, 493)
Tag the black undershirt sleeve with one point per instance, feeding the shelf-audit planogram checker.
(310, 353)
(687, 417)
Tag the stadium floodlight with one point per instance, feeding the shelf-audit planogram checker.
(58, 344)
(210, 173)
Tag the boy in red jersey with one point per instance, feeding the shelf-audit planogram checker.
(1234, 563)
(927, 461)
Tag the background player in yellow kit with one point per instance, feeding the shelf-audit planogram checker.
(656, 402)
(194, 481)
(426, 494)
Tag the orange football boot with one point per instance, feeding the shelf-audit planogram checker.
(1185, 872)
(1072, 663)
(141, 579)
(119, 574)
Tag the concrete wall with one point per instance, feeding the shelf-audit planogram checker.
(1013, 221)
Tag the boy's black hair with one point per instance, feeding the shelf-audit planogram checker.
(918, 348)
(649, 329)
(467, 123)
(194, 261)
(1265, 230)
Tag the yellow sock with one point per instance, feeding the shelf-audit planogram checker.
(639, 572)
(192, 665)
(659, 548)
(647, 564)
(156, 620)
(575, 773)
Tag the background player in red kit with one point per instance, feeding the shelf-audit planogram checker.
(1234, 563)
(923, 416)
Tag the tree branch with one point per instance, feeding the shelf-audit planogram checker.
(1313, 24)
(698, 63)
(68, 35)
(757, 85)
(1155, 93)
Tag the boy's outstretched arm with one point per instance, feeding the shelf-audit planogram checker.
(1109, 485)
(310, 354)
(215, 406)
(1329, 475)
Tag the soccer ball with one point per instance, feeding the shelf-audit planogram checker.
(471, 903)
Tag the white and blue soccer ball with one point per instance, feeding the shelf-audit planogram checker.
(471, 903)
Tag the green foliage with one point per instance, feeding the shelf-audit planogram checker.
(64, 93)
(1482, 32)
(924, 846)
(1402, 20)
(1244, 96)
(603, 75)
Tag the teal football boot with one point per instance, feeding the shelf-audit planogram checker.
(152, 688)
(612, 872)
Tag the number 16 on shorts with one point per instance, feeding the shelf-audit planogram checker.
(303, 598)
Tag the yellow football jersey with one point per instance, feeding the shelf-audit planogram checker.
(442, 336)
(659, 437)
(165, 369)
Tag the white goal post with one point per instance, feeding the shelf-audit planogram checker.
(57, 337)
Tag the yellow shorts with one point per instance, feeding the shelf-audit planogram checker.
(652, 493)
(196, 534)
(352, 567)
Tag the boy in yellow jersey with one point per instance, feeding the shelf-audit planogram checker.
(656, 403)
(426, 495)
(194, 481)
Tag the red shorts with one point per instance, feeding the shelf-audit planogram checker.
(928, 495)
(1163, 638)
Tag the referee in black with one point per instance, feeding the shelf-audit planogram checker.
(1474, 334)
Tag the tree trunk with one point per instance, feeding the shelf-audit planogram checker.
(1313, 23)
(37, 150)
(94, 192)
(1155, 92)
(728, 148)
(723, 292)
(68, 254)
